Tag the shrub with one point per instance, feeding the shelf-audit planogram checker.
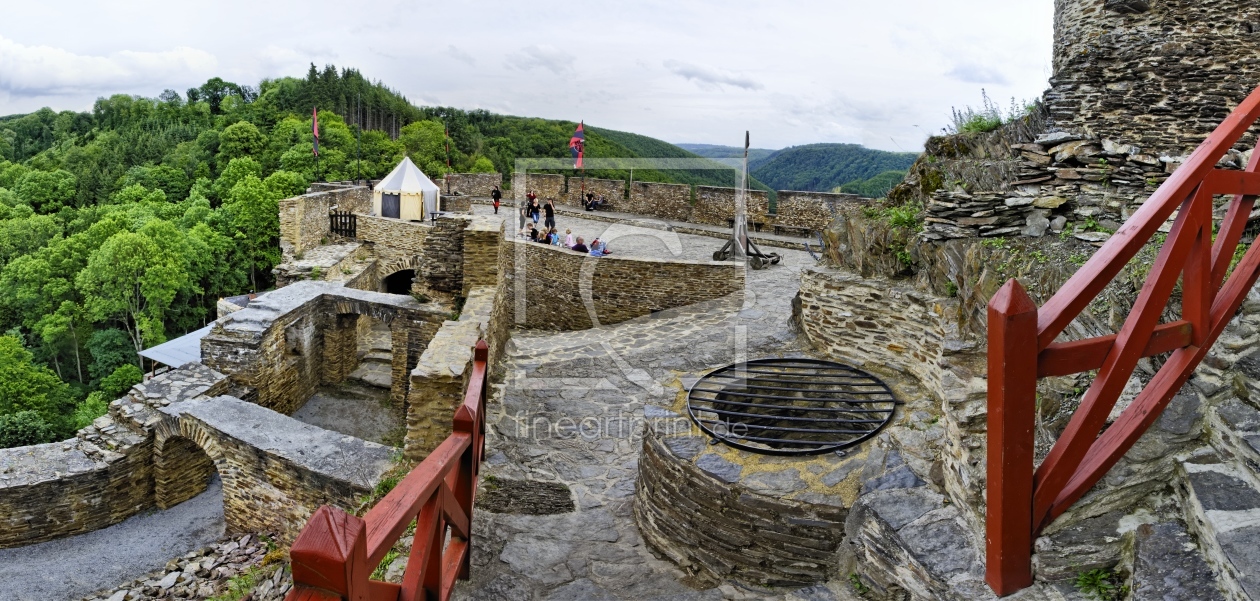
(95, 405)
(24, 428)
(124, 377)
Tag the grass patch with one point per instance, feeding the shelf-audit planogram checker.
(1101, 585)
(240, 585)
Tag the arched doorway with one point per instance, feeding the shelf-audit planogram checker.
(399, 282)
(181, 470)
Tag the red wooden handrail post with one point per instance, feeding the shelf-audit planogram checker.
(331, 554)
(1012, 396)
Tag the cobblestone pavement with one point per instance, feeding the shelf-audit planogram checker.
(570, 411)
(75, 566)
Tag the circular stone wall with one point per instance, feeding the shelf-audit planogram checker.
(721, 513)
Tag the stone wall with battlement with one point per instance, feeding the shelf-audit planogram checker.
(716, 206)
(565, 290)
(613, 191)
(470, 184)
(812, 210)
(545, 185)
(663, 201)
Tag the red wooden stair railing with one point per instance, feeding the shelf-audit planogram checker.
(336, 552)
(1022, 347)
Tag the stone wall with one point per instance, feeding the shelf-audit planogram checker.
(613, 191)
(440, 379)
(442, 267)
(104, 475)
(276, 346)
(1160, 75)
(812, 210)
(481, 253)
(304, 219)
(545, 185)
(392, 233)
(716, 206)
(551, 288)
(456, 204)
(471, 184)
(880, 325)
(701, 511)
(276, 470)
(663, 201)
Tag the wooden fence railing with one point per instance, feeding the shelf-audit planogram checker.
(1022, 346)
(336, 552)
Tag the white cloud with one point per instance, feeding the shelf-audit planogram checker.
(710, 78)
(542, 56)
(460, 55)
(50, 71)
(973, 73)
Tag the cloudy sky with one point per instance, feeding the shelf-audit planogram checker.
(882, 74)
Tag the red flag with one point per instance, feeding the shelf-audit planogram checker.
(577, 145)
(315, 129)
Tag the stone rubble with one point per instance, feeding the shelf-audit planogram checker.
(208, 572)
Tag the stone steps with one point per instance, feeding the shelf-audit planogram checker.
(373, 373)
(1167, 564)
(1221, 500)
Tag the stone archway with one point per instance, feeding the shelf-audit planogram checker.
(184, 460)
(389, 273)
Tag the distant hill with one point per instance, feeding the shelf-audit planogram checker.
(717, 151)
(875, 187)
(823, 167)
(636, 145)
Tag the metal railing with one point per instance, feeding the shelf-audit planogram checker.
(1022, 347)
(336, 552)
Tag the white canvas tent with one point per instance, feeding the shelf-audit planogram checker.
(406, 193)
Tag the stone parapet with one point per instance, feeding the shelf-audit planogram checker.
(405, 236)
(470, 184)
(545, 185)
(716, 206)
(664, 201)
(613, 191)
(304, 219)
(553, 288)
(812, 210)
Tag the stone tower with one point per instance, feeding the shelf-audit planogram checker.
(1159, 74)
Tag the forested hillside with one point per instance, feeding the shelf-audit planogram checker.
(717, 151)
(121, 226)
(823, 167)
(875, 187)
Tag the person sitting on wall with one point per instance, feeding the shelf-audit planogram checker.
(568, 238)
(496, 196)
(603, 248)
(590, 201)
(553, 237)
(580, 246)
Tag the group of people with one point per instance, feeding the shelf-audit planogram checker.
(529, 215)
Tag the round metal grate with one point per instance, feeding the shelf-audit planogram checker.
(790, 406)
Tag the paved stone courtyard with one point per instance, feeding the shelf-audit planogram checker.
(571, 411)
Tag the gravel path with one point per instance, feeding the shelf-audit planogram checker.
(77, 566)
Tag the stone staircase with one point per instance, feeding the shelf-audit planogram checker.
(376, 358)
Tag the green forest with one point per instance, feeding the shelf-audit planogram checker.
(121, 227)
(824, 167)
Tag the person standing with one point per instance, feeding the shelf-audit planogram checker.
(523, 213)
(534, 209)
(550, 209)
(496, 196)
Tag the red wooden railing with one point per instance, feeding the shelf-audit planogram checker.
(336, 552)
(1022, 347)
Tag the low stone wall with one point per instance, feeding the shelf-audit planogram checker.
(718, 520)
(880, 325)
(103, 476)
(551, 287)
(545, 185)
(456, 204)
(471, 184)
(716, 206)
(663, 201)
(304, 219)
(812, 210)
(442, 263)
(613, 191)
(396, 234)
(276, 470)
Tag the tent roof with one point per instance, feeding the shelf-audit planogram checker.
(177, 352)
(406, 177)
